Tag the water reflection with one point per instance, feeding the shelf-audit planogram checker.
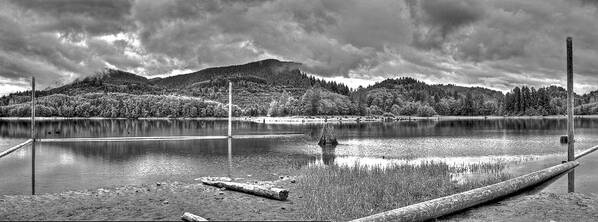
(230, 158)
(75, 166)
(130, 127)
(33, 168)
(522, 145)
(328, 154)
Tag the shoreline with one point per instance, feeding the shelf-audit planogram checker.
(160, 201)
(311, 119)
(169, 200)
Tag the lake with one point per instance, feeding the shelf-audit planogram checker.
(521, 145)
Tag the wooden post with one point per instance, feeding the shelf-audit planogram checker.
(230, 109)
(230, 158)
(33, 108)
(570, 119)
(32, 135)
(33, 168)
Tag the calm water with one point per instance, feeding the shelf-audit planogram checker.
(522, 145)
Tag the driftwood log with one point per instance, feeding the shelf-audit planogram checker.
(272, 193)
(12, 149)
(328, 137)
(446, 205)
(586, 152)
(192, 217)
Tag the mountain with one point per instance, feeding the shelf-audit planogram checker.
(109, 80)
(269, 71)
(256, 84)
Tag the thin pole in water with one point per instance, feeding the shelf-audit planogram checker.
(33, 135)
(230, 108)
(33, 168)
(230, 158)
(230, 129)
(33, 108)
(570, 123)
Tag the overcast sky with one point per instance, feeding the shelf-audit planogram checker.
(497, 44)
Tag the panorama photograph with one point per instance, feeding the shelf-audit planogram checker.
(299, 110)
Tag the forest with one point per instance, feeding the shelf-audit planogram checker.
(404, 96)
(120, 105)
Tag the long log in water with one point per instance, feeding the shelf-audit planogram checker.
(586, 152)
(165, 138)
(12, 149)
(192, 217)
(446, 205)
(272, 193)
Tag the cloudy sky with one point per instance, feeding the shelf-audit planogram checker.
(497, 44)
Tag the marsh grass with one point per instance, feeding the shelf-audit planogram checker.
(343, 193)
(484, 167)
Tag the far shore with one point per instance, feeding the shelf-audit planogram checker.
(313, 119)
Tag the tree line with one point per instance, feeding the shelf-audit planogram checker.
(550, 100)
(120, 105)
(403, 96)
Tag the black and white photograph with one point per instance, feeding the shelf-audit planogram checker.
(299, 110)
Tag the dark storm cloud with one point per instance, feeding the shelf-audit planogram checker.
(437, 19)
(77, 16)
(493, 43)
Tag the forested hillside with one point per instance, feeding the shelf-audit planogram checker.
(254, 84)
(275, 88)
(120, 105)
(550, 100)
(408, 96)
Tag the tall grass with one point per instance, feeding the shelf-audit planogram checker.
(344, 193)
(484, 167)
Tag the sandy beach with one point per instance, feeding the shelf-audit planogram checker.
(169, 200)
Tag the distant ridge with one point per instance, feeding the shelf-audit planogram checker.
(269, 70)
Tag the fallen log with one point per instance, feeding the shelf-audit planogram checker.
(10, 150)
(586, 152)
(192, 217)
(272, 193)
(446, 205)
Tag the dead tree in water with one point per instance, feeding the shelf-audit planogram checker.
(328, 137)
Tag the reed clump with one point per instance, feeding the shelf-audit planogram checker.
(343, 193)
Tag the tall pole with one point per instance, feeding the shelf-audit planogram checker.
(230, 129)
(230, 158)
(33, 168)
(570, 103)
(33, 135)
(230, 109)
(33, 108)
